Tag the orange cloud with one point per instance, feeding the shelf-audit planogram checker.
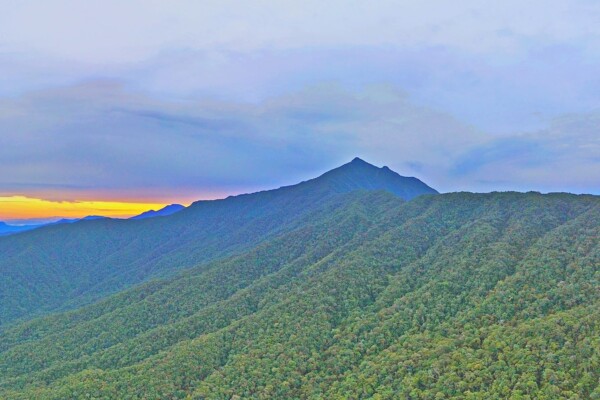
(21, 207)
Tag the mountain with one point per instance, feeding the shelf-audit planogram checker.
(360, 174)
(92, 218)
(64, 221)
(68, 265)
(455, 295)
(335, 288)
(163, 212)
(73, 220)
(6, 229)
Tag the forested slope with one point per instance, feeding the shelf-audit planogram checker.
(482, 296)
(69, 265)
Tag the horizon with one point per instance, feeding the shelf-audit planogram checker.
(138, 104)
(31, 211)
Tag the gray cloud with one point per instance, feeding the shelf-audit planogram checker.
(503, 67)
(212, 98)
(103, 138)
(111, 31)
(503, 95)
(562, 157)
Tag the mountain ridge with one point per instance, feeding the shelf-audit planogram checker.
(7, 229)
(99, 257)
(367, 297)
(357, 167)
(167, 210)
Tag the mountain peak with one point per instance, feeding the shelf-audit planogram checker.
(352, 176)
(359, 174)
(357, 160)
(358, 163)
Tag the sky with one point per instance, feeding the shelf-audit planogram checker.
(139, 103)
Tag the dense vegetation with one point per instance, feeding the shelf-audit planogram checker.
(362, 295)
(65, 266)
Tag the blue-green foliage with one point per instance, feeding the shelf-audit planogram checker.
(65, 266)
(454, 296)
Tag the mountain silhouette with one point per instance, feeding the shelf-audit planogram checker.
(101, 256)
(6, 229)
(163, 212)
(359, 174)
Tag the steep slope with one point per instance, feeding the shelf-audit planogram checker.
(451, 296)
(163, 212)
(68, 265)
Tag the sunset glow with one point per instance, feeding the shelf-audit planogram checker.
(20, 207)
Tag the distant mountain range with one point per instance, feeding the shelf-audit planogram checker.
(6, 229)
(358, 284)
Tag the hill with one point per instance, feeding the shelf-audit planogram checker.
(6, 229)
(163, 212)
(68, 265)
(366, 296)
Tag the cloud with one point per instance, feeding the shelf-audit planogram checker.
(116, 31)
(498, 95)
(562, 157)
(103, 139)
(503, 67)
(100, 136)
(174, 102)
